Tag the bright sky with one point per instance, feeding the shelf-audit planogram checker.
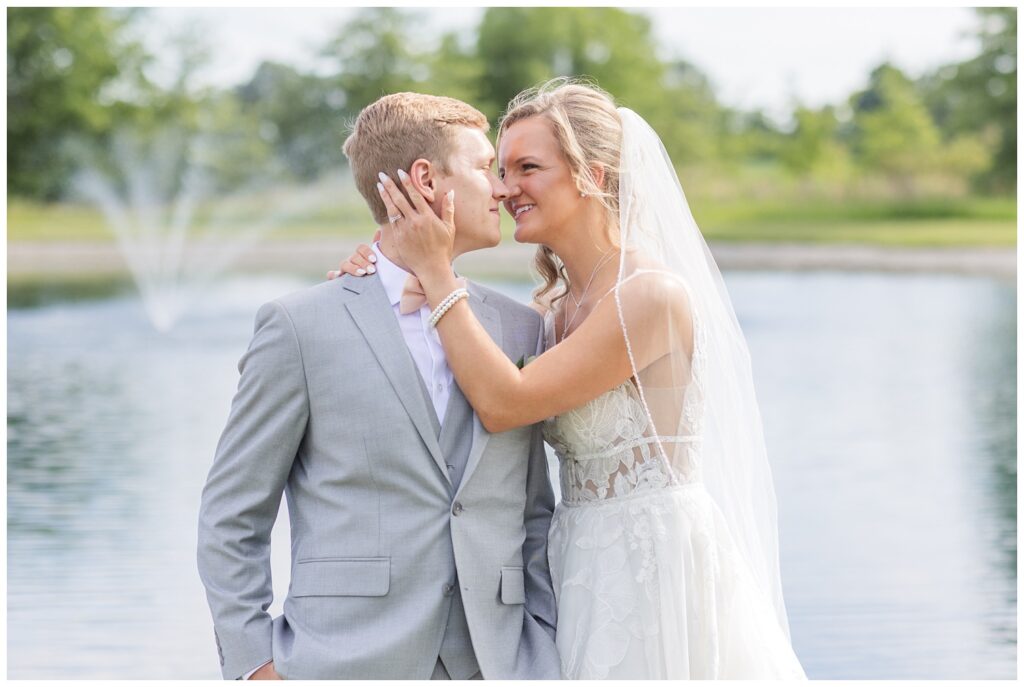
(755, 57)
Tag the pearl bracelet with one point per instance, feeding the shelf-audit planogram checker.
(448, 299)
(446, 305)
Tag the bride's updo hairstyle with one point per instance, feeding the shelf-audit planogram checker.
(589, 133)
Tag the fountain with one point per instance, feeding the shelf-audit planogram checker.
(177, 228)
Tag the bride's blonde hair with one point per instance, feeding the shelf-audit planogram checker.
(589, 133)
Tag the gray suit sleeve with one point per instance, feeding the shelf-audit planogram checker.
(243, 491)
(540, 504)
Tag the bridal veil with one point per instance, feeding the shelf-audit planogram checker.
(689, 357)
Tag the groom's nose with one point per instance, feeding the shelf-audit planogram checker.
(499, 191)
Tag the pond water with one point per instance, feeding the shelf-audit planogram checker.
(890, 414)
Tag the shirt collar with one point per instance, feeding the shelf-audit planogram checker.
(392, 277)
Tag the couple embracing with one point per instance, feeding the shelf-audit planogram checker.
(404, 413)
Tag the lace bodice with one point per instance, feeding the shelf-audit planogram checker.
(607, 448)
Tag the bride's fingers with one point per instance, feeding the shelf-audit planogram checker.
(354, 268)
(418, 201)
(389, 205)
(357, 262)
(448, 210)
(366, 252)
(396, 196)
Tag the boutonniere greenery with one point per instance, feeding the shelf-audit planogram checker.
(524, 361)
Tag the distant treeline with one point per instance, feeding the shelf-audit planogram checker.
(77, 76)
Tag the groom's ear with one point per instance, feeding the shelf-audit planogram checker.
(423, 174)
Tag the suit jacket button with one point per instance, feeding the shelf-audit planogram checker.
(457, 508)
(448, 589)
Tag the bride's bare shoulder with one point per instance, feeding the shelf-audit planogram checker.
(655, 306)
(648, 283)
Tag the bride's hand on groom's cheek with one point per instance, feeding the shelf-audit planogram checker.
(358, 264)
(424, 241)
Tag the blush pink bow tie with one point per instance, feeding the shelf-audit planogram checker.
(413, 298)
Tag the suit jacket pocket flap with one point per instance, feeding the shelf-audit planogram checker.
(513, 586)
(341, 577)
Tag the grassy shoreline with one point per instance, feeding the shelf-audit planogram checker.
(34, 266)
(65, 252)
(968, 221)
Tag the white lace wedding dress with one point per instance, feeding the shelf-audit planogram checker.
(648, 582)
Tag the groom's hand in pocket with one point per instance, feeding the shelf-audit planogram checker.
(266, 672)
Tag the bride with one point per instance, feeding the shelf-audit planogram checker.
(663, 551)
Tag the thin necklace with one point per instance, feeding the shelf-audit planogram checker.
(583, 296)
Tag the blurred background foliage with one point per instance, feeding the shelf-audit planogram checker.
(941, 145)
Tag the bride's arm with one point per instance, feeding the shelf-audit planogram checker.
(588, 363)
(585, 365)
(360, 263)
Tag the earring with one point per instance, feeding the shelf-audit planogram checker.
(582, 194)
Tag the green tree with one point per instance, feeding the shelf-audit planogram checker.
(975, 102)
(522, 46)
(750, 137)
(230, 147)
(455, 71)
(893, 131)
(71, 71)
(300, 115)
(375, 56)
(688, 118)
(815, 150)
(810, 139)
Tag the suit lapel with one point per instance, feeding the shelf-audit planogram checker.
(488, 318)
(373, 314)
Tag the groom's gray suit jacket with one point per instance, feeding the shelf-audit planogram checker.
(390, 537)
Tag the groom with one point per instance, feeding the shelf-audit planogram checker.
(418, 540)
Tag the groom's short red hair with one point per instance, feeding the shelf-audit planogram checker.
(398, 129)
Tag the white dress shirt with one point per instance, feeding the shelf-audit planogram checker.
(422, 340)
